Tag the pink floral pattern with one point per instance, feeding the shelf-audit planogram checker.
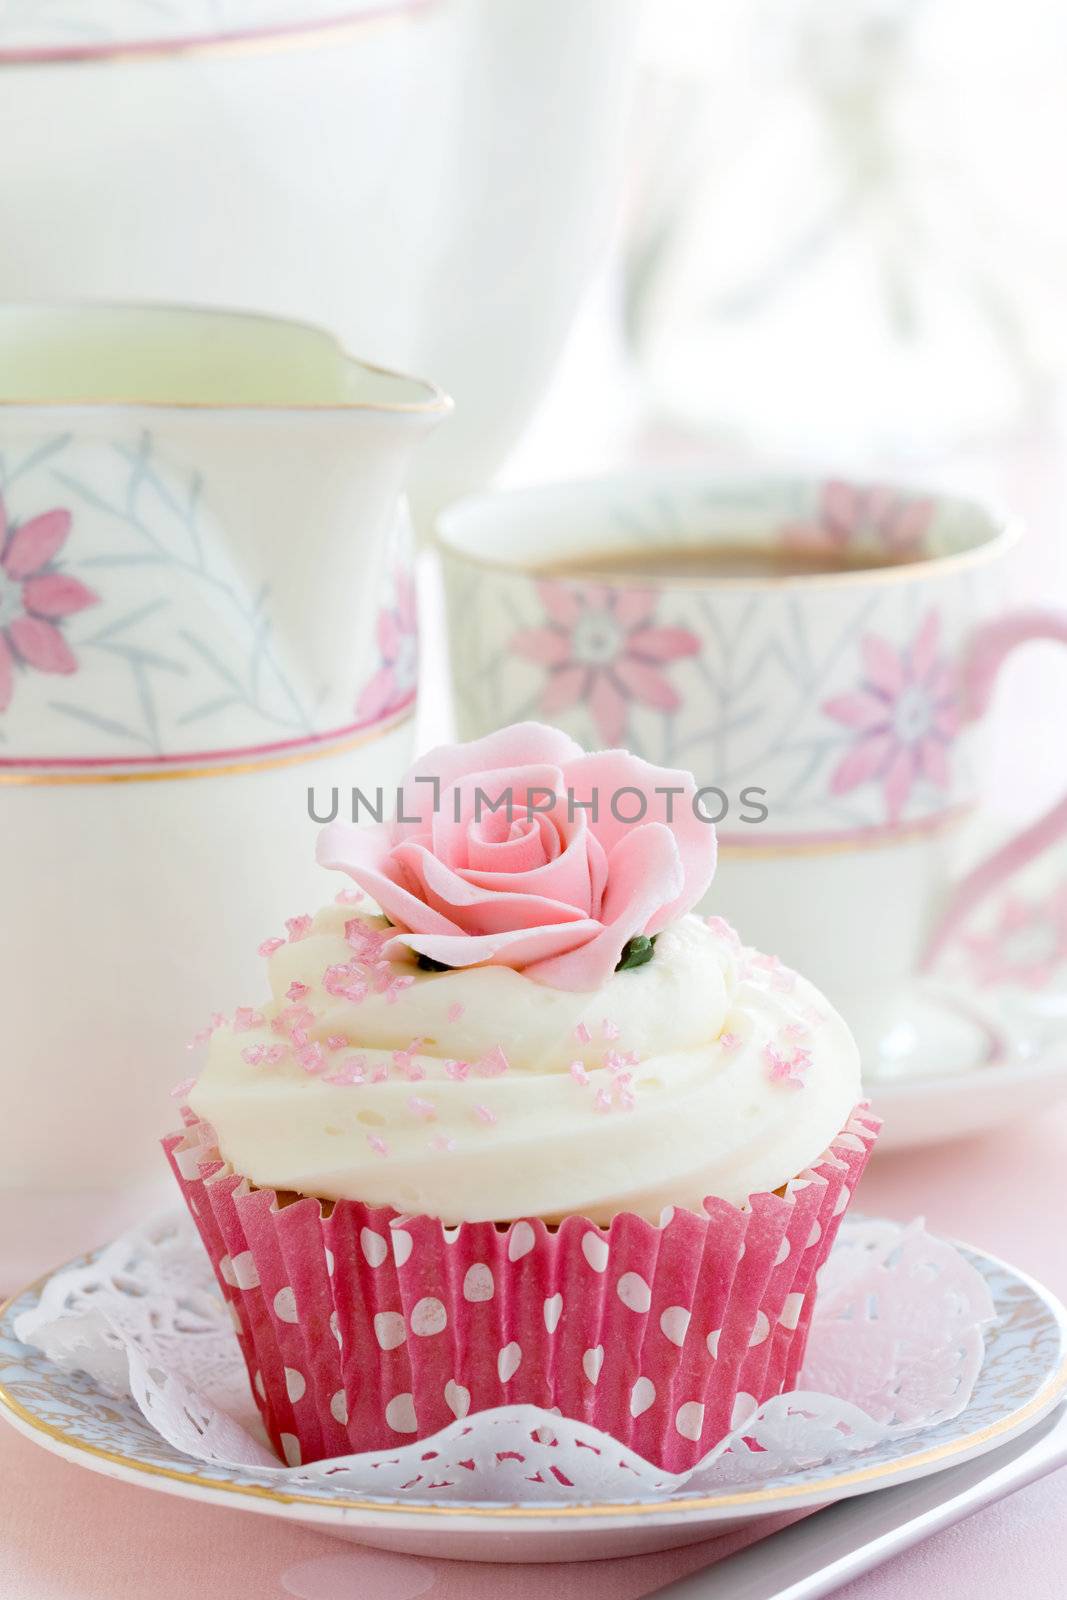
(35, 598)
(869, 517)
(398, 645)
(600, 646)
(904, 716)
(1026, 945)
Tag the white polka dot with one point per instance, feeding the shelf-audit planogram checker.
(689, 1420)
(245, 1271)
(400, 1414)
(744, 1407)
(428, 1316)
(403, 1244)
(234, 1315)
(520, 1241)
(641, 1396)
(814, 1236)
(478, 1283)
(634, 1292)
(760, 1330)
(713, 1343)
(193, 1207)
(783, 1252)
(291, 1449)
(329, 1262)
(285, 1305)
(592, 1362)
(666, 1216)
(227, 1273)
(553, 1311)
(450, 1235)
(791, 1310)
(339, 1407)
(295, 1387)
(508, 1361)
(389, 1329)
(674, 1324)
(259, 1387)
(457, 1398)
(844, 1195)
(373, 1246)
(335, 1326)
(595, 1250)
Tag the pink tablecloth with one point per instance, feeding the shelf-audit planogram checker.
(70, 1535)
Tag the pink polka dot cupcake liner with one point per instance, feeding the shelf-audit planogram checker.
(364, 1328)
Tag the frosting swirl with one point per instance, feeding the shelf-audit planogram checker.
(476, 1095)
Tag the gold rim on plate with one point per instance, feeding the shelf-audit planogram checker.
(1039, 1404)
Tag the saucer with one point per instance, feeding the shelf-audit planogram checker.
(1023, 1374)
(984, 1041)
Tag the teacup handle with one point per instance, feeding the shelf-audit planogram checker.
(986, 654)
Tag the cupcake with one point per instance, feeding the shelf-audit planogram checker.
(516, 1126)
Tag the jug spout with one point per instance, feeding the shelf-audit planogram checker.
(232, 486)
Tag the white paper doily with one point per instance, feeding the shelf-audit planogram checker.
(896, 1346)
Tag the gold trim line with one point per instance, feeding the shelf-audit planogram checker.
(222, 769)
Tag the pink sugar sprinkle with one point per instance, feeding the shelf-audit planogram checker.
(253, 1054)
(484, 1114)
(440, 1142)
(786, 1069)
(216, 1021)
(797, 1030)
(782, 977)
(455, 1011)
(348, 897)
(352, 1071)
(297, 990)
(363, 939)
(298, 928)
(582, 1034)
(379, 1072)
(603, 1099)
(457, 1070)
(311, 1057)
(422, 1108)
(245, 1018)
(729, 1041)
(724, 930)
(180, 1090)
(274, 1054)
(412, 1071)
(578, 1072)
(610, 1029)
(378, 1145)
(493, 1064)
(396, 989)
(268, 947)
(336, 1041)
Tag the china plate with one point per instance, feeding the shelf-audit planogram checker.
(1024, 1373)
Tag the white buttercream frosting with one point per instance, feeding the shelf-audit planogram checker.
(483, 1095)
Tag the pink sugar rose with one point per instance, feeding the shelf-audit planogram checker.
(552, 891)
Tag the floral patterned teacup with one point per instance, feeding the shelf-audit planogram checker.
(834, 718)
